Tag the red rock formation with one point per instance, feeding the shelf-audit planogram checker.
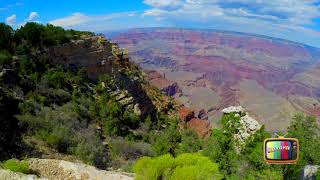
(186, 114)
(168, 87)
(202, 127)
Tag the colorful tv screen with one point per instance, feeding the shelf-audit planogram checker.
(281, 150)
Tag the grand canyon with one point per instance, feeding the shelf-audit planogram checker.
(208, 70)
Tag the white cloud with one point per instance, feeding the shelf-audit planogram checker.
(288, 19)
(165, 4)
(82, 19)
(298, 12)
(33, 16)
(74, 19)
(11, 20)
(279, 18)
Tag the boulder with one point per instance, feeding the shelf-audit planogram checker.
(137, 110)
(250, 123)
(309, 172)
(10, 175)
(231, 109)
(126, 101)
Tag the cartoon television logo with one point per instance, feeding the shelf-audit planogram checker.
(281, 150)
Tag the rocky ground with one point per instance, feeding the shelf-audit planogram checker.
(52, 169)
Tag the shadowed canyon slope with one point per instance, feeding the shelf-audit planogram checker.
(271, 78)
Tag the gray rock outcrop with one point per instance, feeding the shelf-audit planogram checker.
(53, 169)
(309, 172)
(248, 126)
(10, 175)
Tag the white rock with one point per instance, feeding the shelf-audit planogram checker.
(10, 175)
(59, 169)
(137, 110)
(309, 171)
(250, 123)
(231, 109)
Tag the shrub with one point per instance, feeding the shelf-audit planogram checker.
(16, 166)
(167, 141)
(5, 57)
(6, 36)
(220, 149)
(307, 130)
(129, 149)
(57, 78)
(185, 166)
(190, 142)
(90, 149)
(9, 129)
(264, 175)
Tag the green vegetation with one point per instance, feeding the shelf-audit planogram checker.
(248, 163)
(61, 107)
(16, 166)
(184, 166)
(307, 130)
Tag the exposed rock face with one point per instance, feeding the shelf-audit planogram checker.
(202, 127)
(170, 88)
(101, 56)
(202, 114)
(64, 170)
(137, 110)
(309, 172)
(186, 114)
(231, 109)
(10, 175)
(250, 123)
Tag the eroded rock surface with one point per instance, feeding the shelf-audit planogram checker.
(10, 175)
(309, 172)
(170, 88)
(64, 170)
(201, 126)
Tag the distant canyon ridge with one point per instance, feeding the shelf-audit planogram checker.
(211, 70)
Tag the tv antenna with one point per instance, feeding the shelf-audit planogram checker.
(280, 136)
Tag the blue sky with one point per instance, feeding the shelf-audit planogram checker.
(296, 20)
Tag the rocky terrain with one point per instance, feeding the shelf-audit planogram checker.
(272, 78)
(52, 169)
(189, 120)
(170, 88)
(97, 56)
